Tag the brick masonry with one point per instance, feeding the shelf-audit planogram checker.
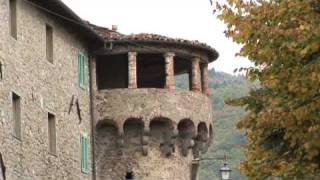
(195, 73)
(132, 68)
(169, 68)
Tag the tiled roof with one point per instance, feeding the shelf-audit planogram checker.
(110, 35)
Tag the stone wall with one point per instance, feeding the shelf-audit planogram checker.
(156, 133)
(43, 87)
(176, 105)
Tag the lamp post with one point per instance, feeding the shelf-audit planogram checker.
(225, 171)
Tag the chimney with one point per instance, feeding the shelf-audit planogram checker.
(114, 28)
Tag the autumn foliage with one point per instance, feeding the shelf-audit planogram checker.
(282, 39)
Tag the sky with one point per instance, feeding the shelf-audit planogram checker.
(187, 19)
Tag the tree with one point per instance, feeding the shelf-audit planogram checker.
(282, 39)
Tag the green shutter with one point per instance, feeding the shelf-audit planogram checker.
(84, 153)
(81, 70)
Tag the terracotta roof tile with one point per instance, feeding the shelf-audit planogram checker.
(110, 35)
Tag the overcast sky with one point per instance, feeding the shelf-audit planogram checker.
(188, 19)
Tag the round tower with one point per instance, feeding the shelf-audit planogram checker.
(145, 127)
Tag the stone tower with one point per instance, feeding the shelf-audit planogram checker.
(143, 125)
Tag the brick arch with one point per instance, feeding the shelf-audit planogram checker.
(167, 121)
(133, 120)
(186, 127)
(107, 122)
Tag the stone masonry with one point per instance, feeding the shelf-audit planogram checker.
(44, 88)
(137, 122)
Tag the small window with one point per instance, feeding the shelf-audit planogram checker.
(52, 133)
(84, 153)
(81, 70)
(49, 43)
(16, 114)
(13, 18)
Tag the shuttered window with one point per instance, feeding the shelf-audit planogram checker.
(81, 70)
(84, 153)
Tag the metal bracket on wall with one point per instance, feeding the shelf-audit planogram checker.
(78, 107)
(78, 111)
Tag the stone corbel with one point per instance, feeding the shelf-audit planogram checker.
(120, 143)
(145, 141)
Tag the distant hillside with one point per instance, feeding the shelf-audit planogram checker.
(227, 139)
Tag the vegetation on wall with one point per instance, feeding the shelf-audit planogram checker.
(282, 38)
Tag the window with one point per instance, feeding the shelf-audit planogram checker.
(84, 153)
(49, 43)
(81, 70)
(13, 18)
(16, 114)
(52, 133)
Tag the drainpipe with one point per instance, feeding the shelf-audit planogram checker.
(92, 119)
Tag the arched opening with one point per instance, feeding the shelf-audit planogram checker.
(106, 148)
(161, 132)
(186, 133)
(201, 144)
(133, 133)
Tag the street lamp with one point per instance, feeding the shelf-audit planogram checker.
(225, 171)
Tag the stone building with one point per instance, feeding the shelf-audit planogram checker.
(78, 101)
